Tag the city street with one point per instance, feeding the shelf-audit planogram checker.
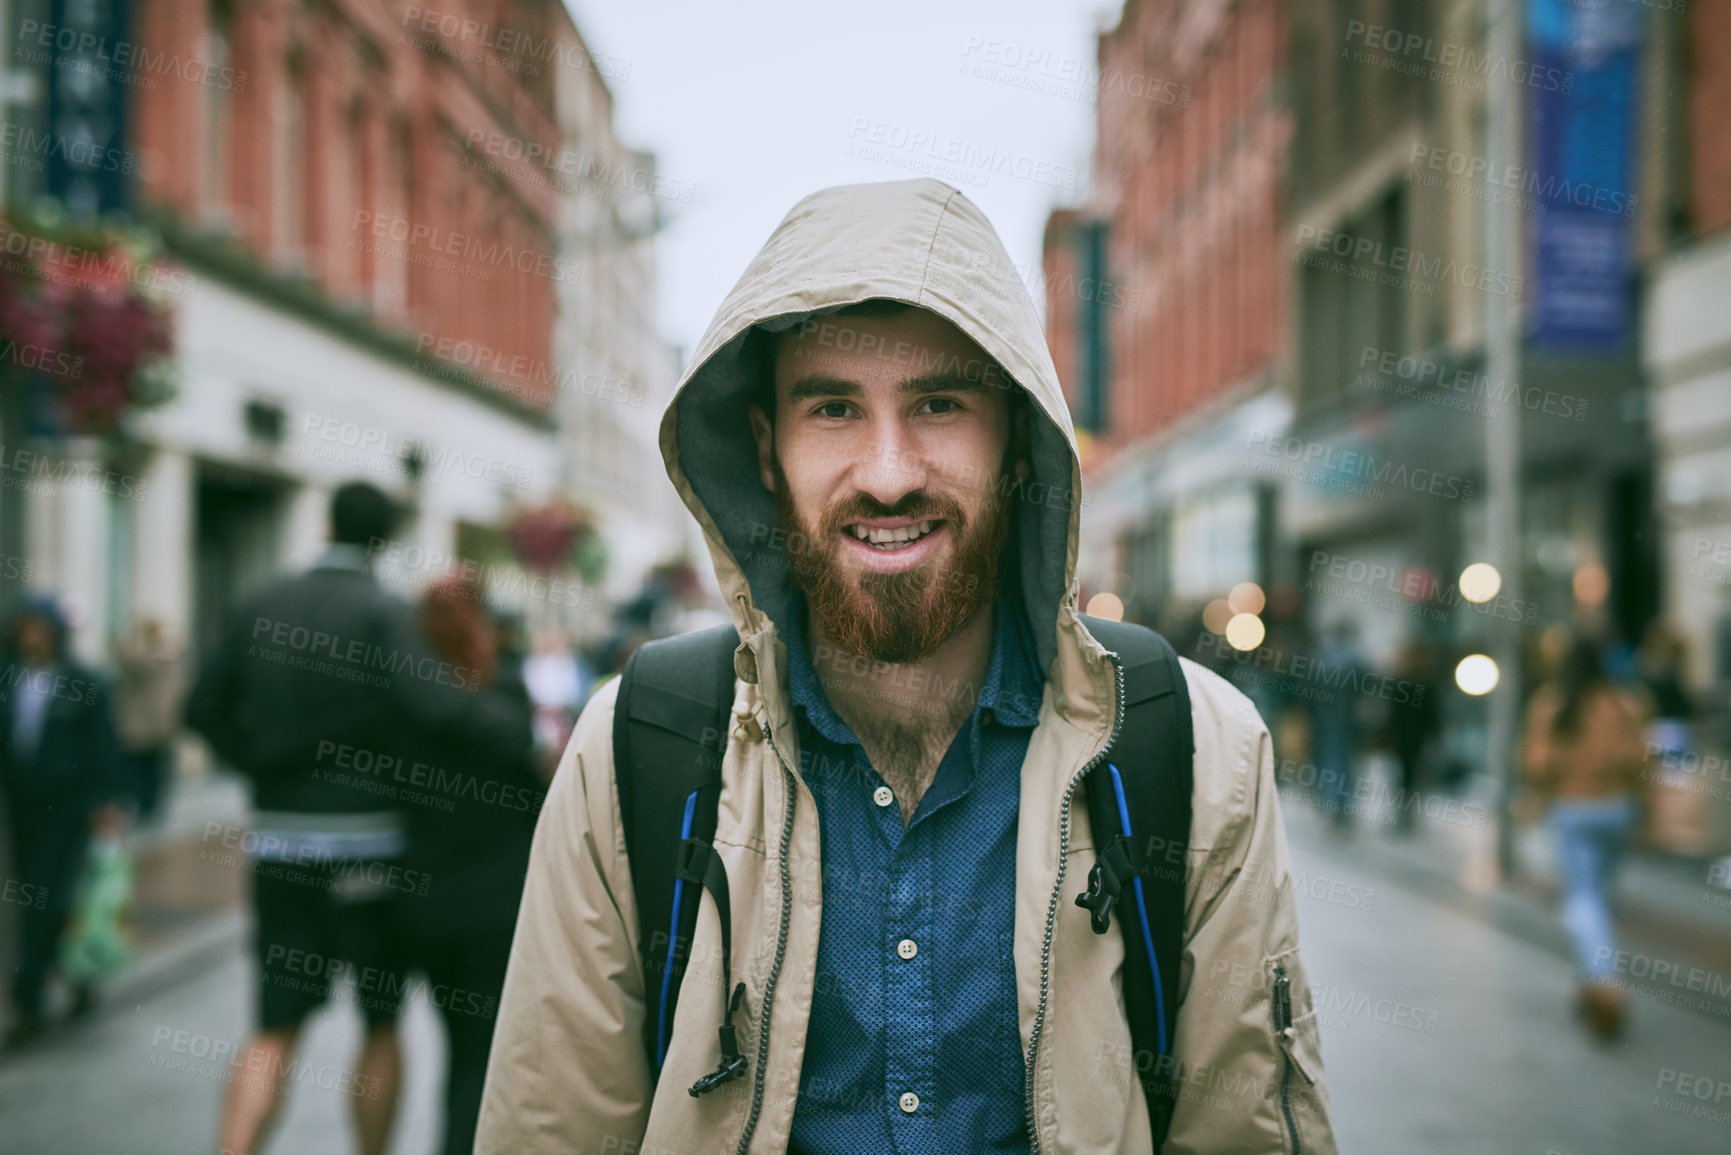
(1444, 1011)
(378, 381)
(144, 1080)
(1506, 1069)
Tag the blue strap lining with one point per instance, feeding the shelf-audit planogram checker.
(673, 942)
(1141, 913)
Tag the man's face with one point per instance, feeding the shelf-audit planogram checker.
(887, 458)
(35, 639)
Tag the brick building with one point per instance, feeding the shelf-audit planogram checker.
(1189, 336)
(378, 150)
(1292, 219)
(410, 249)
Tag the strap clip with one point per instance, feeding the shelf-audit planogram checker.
(1114, 867)
(733, 1065)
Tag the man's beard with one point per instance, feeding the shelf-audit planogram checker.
(906, 615)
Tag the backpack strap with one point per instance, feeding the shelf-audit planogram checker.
(670, 725)
(1139, 809)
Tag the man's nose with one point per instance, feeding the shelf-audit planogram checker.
(893, 466)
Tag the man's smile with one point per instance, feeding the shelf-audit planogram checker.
(889, 545)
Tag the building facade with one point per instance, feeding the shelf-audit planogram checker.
(1687, 351)
(1392, 285)
(378, 275)
(1296, 377)
(1166, 307)
(618, 373)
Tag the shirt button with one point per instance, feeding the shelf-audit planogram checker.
(909, 1102)
(883, 796)
(907, 948)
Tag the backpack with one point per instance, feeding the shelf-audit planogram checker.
(670, 728)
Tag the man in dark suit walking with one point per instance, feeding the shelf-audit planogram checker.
(319, 692)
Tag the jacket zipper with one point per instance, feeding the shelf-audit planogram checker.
(1283, 1030)
(780, 949)
(1057, 894)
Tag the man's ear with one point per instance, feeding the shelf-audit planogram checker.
(764, 434)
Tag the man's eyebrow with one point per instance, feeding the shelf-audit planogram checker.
(820, 386)
(941, 383)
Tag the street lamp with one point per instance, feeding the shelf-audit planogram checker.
(1504, 101)
(1246, 598)
(1245, 632)
(1477, 674)
(1480, 582)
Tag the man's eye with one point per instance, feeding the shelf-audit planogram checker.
(944, 405)
(831, 409)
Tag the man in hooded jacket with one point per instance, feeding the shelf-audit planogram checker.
(873, 439)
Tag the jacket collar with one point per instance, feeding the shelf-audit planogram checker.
(346, 556)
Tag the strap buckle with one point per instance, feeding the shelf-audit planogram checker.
(733, 1065)
(1112, 869)
(692, 860)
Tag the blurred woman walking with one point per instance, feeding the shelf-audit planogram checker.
(469, 835)
(1582, 754)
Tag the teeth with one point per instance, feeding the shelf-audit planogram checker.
(889, 538)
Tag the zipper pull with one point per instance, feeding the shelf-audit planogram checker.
(1282, 1001)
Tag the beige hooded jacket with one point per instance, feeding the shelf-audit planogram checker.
(569, 1071)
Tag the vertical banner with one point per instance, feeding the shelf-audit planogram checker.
(88, 168)
(1582, 144)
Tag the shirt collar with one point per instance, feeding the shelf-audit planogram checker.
(344, 555)
(1011, 691)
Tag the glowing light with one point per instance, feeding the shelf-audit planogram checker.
(1215, 616)
(1480, 582)
(1246, 598)
(1107, 605)
(1477, 674)
(1245, 632)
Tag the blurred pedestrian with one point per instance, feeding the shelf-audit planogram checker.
(319, 692)
(1582, 754)
(555, 684)
(60, 768)
(471, 840)
(148, 689)
(1334, 723)
(1412, 720)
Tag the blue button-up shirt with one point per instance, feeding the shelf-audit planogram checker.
(916, 983)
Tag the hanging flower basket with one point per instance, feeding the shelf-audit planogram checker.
(76, 325)
(547, 537)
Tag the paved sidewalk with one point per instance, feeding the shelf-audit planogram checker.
(147, 1077)
(1495, 1063)
(1672, 921)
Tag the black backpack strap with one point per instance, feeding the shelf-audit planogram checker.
(670, 725)
(1145, 778)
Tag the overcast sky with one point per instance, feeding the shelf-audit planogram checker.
(752, 104)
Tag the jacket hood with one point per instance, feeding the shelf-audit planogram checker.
(918, 241)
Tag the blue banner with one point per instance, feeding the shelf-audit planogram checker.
(89, 166)
(1583, 169)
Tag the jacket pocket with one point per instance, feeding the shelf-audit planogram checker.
(1293, 1022)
